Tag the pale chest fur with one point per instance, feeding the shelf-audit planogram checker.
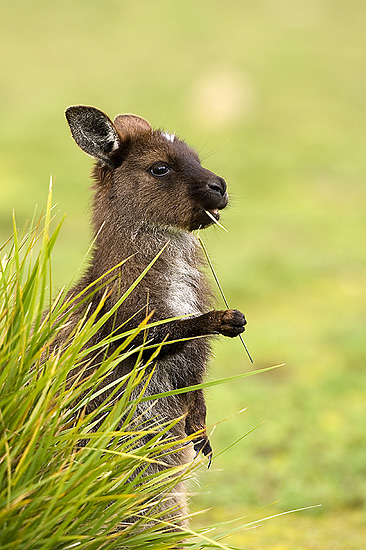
(184, 280)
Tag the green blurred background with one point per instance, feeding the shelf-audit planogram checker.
(272, 95)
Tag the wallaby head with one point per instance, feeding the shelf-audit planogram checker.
(146, 175)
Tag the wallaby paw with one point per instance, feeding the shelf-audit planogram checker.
(232, 323)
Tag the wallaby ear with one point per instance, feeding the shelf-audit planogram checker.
(131, 126)
(93, 131)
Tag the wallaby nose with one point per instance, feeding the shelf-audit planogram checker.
(218, 186)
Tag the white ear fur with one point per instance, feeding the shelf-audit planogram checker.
(93, 131)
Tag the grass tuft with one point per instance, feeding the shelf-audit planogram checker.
(67, 477)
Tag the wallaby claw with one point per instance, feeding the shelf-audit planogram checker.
(209, 461)
(203, 445)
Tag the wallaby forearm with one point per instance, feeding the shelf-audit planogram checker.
(227, 322)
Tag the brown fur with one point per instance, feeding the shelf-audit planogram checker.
(136, 211)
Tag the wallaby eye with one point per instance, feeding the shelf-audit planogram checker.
(160, 169)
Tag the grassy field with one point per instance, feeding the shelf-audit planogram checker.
(272, 94)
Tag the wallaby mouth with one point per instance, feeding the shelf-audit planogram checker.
(215, 213)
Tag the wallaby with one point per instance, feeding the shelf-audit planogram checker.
(150, 190)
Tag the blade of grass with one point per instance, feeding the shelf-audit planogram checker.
(220, 289)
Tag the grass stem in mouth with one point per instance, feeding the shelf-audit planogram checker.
(215, 220)
(220, 289)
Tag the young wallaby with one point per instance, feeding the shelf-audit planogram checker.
(150, 190)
